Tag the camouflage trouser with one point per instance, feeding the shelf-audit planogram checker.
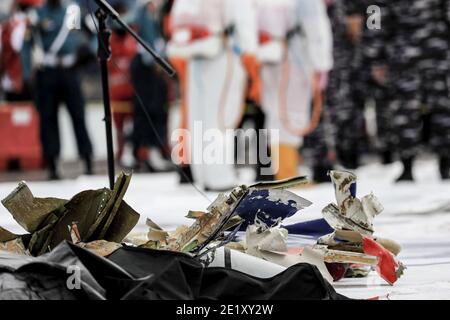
(418, 92)
(317, 143)
(346, 111)
(342, 122)
(381, 96)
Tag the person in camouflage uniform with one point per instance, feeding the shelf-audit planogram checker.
(414, 39)
(375, 90)
(346, 111)
(362, 88)
(342, 124)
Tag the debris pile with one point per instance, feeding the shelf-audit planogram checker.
(269, 203)
(352, 242)
(345, 244)
(241, 231)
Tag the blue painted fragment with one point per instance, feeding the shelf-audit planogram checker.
(353, 189)
(314, 228)
(269, 206)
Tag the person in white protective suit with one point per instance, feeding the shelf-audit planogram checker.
(295, 51)
(217, 40)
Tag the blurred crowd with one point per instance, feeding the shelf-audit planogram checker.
(311, 70)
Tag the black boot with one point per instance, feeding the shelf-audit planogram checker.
(261, 176)
(88, 165)
(185, 175)
(264, 177)
(146, 167)
(349, 160)
(444, 168)
(320, 173)
(52, 169)
(407, 170)
(386, 157)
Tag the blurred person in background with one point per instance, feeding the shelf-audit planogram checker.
(376, 90)
(364, 88)
(15, 52)
(57, 79)
(410, 52)
(180, 64)
(320, 144)
(295, 51)
(351, 87)
(415, 64)
(123, 48)
(151, 100)
(218, 39)
(342, 96)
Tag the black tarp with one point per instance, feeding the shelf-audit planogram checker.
(143, 274)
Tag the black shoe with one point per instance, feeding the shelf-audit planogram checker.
(264, 177)
(349, 160)
(88, 166)
(52, 170)
(386, 157)
(406, 176)
(185, 175)
(320, 174)
(146, 167)
(444, 168)
(407, 171)
(53, 176)
(260, 177)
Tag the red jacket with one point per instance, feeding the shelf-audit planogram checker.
(123, 50)
(10, 59)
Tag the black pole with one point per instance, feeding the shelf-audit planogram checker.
(104, 54)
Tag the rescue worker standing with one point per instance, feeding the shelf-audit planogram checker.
(378, 91)
(218, 41)
(180, 65)
(343, 92)
(415, 35)
(149, 137)
(57, 80)
(295, 50)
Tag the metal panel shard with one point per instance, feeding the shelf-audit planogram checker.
(27, 210)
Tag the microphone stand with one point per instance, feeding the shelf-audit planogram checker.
(104, 54)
